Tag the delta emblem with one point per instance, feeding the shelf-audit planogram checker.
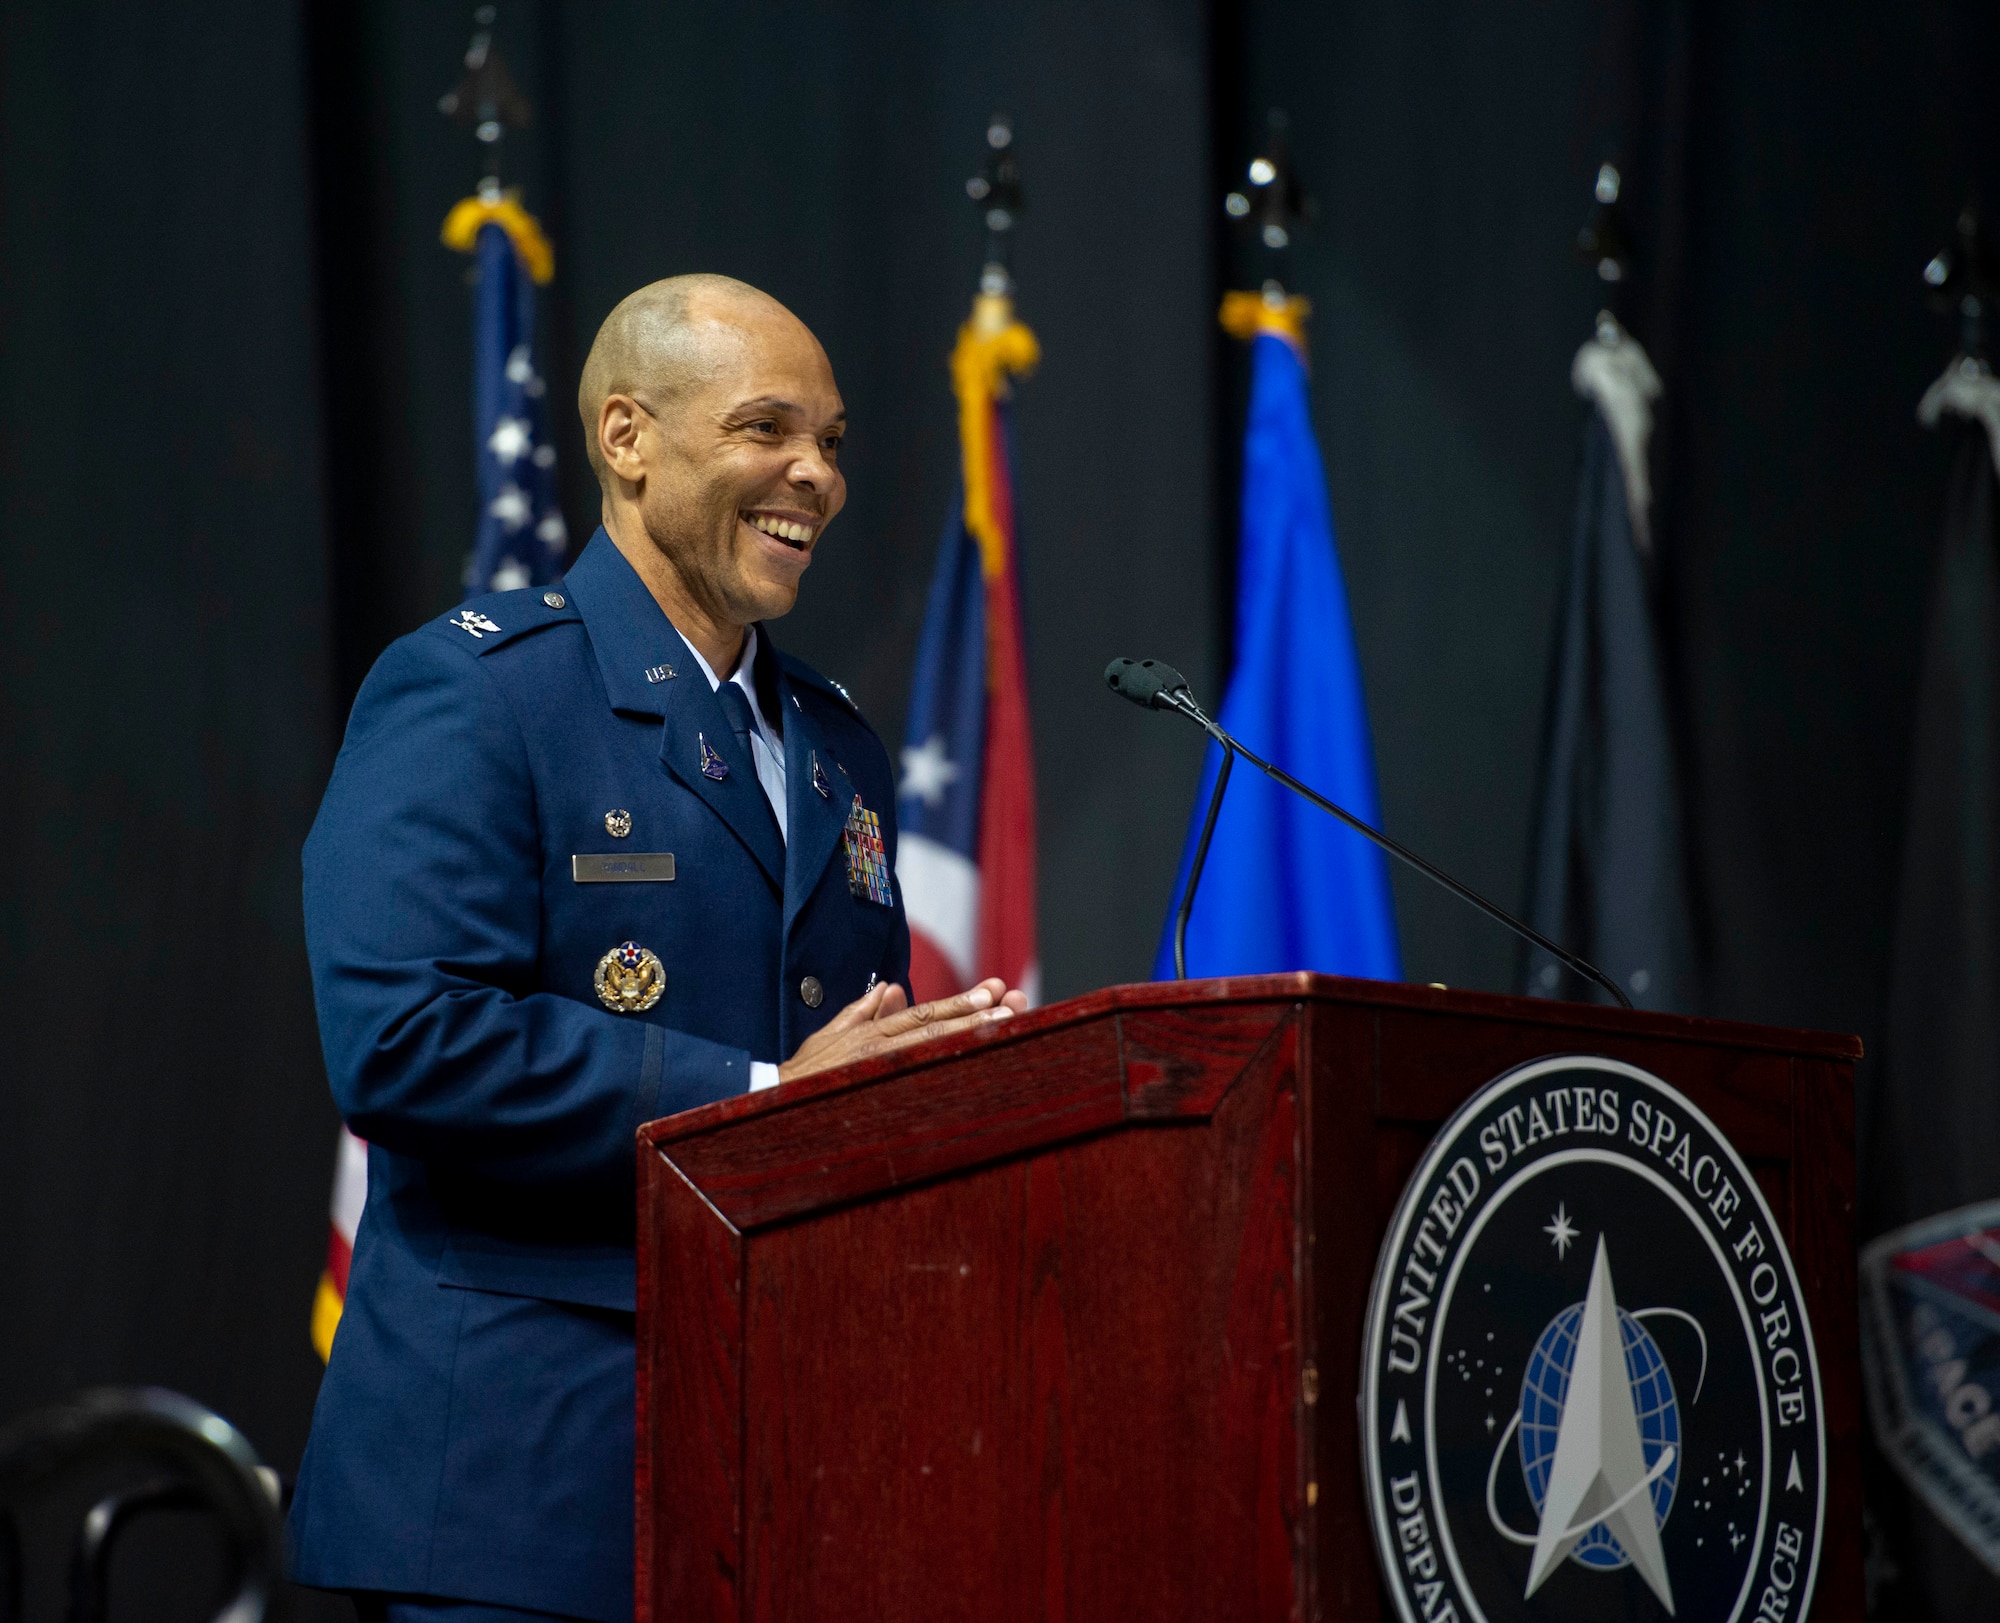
(1589, 1389)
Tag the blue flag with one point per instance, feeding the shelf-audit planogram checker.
(521, 537)
(1287, 887)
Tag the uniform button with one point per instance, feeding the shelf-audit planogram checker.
(553, 599)
(811, 993)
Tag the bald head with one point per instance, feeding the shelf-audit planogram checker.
(665, 341)
(714, 428)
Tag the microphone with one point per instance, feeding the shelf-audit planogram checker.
(1145, 682)
(1160, 687)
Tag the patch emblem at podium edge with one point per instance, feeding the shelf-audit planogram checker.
(1930, 1358)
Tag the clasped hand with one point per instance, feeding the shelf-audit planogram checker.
(882, 1020)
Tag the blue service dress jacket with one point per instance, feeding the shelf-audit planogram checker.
(474, 1431)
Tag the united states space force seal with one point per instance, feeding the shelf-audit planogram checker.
(1589, 1386)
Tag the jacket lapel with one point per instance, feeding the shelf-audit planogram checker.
(694, 716)
(812, 821)
(647, 670)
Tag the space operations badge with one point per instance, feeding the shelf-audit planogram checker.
(1930, 1355)
(1589, 1390)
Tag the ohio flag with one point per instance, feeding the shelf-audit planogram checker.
(966, 805)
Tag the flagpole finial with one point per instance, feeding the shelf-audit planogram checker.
(1604, 242)
(1964, 279)
(997, 192)
(1272, 204)
(488, 100)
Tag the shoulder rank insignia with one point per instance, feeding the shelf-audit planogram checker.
(629, 979)
(473, 623)
(712, 765)
(867, 863)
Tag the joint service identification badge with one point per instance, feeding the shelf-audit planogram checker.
(1589, 1388)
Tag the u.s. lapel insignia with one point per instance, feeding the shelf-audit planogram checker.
(712, 765)
(473, 623)
(820, 783)
(867, 862)
(629, 979)
(659, 673)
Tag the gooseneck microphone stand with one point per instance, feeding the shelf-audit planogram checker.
(1201, 846)
(1161, 687)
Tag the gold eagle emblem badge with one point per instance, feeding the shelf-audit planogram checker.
(630, 979)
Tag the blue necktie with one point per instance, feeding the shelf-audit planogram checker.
(736, 706)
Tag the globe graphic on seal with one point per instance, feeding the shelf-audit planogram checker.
(1543, 1389)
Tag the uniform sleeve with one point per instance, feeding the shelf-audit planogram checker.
(423, 921)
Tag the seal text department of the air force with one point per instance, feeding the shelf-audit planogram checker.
(1589, 1386)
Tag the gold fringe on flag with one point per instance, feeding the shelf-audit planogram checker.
(327, 1304)
(1246, 315)
(992, 347)
(468, 214)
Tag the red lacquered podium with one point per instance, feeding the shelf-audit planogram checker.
(1065, 1321)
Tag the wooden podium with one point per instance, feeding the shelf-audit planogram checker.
(1063, 1321)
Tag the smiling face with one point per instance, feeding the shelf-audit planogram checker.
(728, 453)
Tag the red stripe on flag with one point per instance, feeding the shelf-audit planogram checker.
(931, 974)
(339, 1258)
(1006, 942)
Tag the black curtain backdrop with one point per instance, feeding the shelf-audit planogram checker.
(235, 461)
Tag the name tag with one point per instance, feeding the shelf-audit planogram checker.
(624, 868)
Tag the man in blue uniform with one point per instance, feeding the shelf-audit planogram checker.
(591, 855)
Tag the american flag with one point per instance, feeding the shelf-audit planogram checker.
(521, 538)
(350, 1194)
(965, 857)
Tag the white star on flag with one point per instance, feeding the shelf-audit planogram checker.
(511, 576)
(928, 772)
(520, 365)
(552, 532)
(510, 507)
(510, 440)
